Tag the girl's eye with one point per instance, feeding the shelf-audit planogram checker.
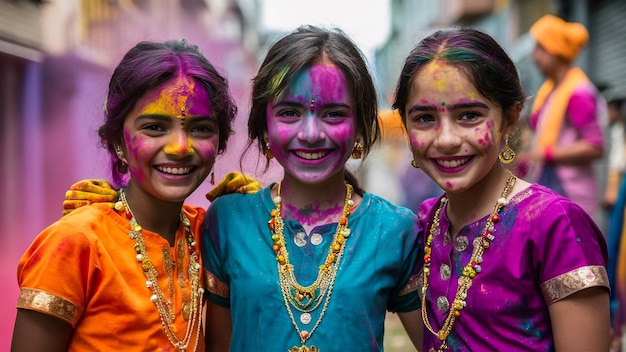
(288, 113)
(470, 115)
(153, 128)
(424, 118)
(335, 114)
(203, 130)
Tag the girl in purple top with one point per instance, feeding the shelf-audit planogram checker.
(509, 266)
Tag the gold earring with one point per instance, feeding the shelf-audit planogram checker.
(268, 152)
(357, 151)
(507, 155)
(122, 165)
(415, 164)
(212, 177)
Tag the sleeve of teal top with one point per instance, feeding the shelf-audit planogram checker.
(213, 256)
(404, 297)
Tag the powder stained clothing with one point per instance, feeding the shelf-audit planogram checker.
(545, 249)
(377, 272)
(83, 269)
(585, 118)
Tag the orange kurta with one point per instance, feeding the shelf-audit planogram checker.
(83, 269)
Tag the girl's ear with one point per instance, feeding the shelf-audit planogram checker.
(513, 117)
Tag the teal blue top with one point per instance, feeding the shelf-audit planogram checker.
(378, 272)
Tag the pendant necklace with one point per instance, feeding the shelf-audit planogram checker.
(471, 269)
(306, 299)
(165, 306)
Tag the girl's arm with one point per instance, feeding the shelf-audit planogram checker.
(218, 328)
(36, 331)
(581, 321)
(412, 322)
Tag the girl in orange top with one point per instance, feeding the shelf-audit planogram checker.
(128, 278)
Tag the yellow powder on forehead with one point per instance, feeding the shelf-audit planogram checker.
(174, 97)
(434, 67)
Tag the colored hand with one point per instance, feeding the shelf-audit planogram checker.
(89, 191)
(234, 182)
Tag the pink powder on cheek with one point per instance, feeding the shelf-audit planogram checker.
(207, 150)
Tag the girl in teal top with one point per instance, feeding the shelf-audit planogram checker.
(310, 263)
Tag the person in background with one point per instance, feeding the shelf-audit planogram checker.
(568, 115)
(129, 277)
(317, 262)
(508, 265)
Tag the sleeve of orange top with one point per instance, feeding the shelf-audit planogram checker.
(55, 272)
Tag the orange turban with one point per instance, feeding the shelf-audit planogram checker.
(560, 38)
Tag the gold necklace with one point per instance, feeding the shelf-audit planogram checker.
(471, 269)
(306, 299)
(165, 306)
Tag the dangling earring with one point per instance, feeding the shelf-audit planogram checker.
(267, 152)
(212, 177)
(507, 155)
(122, 165)
(415, 164)
(357, 151)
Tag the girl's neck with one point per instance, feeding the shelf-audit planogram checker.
(152, 214)
(475, 203)
(313, 204)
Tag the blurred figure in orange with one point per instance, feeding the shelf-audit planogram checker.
(567, 115)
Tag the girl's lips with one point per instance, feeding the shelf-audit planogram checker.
(310, 155)
(174, 170)
(452, 165)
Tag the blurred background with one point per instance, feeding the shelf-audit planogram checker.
(56, 57)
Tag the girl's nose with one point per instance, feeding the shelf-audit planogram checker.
(179, 145)
(312, 130)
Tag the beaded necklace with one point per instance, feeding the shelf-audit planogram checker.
(164, 305)
(471, 269)
(306, 299)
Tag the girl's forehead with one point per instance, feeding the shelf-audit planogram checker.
(318, 81)
(180, 95)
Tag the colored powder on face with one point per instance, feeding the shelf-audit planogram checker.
(173, 98)
(276, 81)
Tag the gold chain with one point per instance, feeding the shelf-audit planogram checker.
(165, 306)
(471, 269)
(308, 298)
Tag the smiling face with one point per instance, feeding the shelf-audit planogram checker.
(311, 127)
(454, 132)
(170, 140)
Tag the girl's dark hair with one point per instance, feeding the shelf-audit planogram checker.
(147, 66)
(300, 49)
(483, 59)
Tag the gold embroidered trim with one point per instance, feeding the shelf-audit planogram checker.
(215, 286)
(412, 285)
(574, 281)
(45, 302)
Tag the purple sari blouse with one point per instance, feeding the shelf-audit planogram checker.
(546, 248)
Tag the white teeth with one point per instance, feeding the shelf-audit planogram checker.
(310, 156)
(452, 163)
(174, 170)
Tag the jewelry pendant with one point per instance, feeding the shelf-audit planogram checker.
(305, 318)
(304, 349)
(316, 238)
(299, 239)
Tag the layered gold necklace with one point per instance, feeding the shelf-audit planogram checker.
(306, 299)
(164, 305)
(471, 269)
